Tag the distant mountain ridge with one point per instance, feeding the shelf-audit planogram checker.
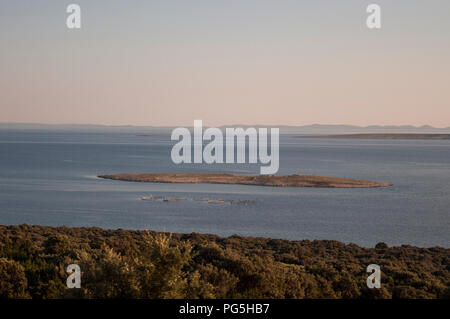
(284, 129)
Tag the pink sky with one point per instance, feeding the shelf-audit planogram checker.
(281, 69)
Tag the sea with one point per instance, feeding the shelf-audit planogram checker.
(49, 177)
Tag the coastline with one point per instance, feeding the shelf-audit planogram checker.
(385, 136)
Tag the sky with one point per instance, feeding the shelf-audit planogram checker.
(280, 62)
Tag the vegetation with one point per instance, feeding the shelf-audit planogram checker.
(144, 264)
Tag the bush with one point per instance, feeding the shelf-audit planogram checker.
(13, 280)
(143, 264)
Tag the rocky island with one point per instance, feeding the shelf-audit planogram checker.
(295, 180)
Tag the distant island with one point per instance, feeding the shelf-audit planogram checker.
(154, 135)
(386, 136)
(296, 180)
(284, 129)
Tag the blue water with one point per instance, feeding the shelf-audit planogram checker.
(49, 178)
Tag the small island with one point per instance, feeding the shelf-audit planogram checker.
(385, 136)
(295, 180)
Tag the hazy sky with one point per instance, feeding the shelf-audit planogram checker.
(226, 62)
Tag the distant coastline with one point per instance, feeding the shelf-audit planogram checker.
(257, 180)
(154, 135)
(284, 129)
(386, 136)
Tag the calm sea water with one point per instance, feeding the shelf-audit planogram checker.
(49, 178)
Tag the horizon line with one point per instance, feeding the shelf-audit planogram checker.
(223, 125)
